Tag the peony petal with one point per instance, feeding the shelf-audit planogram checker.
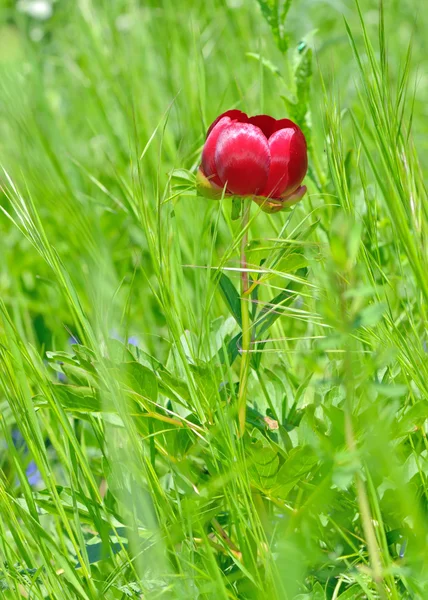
(289, 162)
(294, 197)
(286, 124)
(208, 153)
(266, 123)
(233, 114)
(242, 159)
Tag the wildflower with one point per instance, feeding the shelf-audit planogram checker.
(258, 157)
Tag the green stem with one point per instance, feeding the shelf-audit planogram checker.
(364, 506)
(246, 325)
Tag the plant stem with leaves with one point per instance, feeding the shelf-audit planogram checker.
(362, 498)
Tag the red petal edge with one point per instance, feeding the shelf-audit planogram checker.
(233, 114)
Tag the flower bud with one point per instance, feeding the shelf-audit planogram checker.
(256, 156)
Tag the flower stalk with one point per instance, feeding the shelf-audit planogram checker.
(245, 320)
(248, 159)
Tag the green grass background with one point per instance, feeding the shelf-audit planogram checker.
(143, 488)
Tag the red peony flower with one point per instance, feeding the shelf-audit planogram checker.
(254, 156)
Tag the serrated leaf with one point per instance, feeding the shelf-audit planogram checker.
(303, 75)
(275, 12)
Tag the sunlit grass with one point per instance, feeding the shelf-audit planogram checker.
(122, 471)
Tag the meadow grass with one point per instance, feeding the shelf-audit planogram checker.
(123, 474)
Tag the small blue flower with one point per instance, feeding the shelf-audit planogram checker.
(133, 340)
(18, 440)
(33, 474)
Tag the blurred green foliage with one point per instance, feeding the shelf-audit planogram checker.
(121, 472)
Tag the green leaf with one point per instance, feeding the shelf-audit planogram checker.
(79, 376)
(298, 465)
(99, 551)
(61, 357)
(256, 357)
(130, 590)
(293, 262)
(370, 316)
(141, 379)
(396, 535)
(232, 350)
(83, 353)
(231, 297)
(349, 167)
(353, 593)
(303, 76)
(172, 387)
(414, 418)
(390, 390)
(183, 176)
(236, 210)
(254, 300)
(346, 465)
(318, 592)
(77, 398)
(275, 12)
(118, 351)
(72, 501)
(264, 462)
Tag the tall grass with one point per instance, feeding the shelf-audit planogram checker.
(123, 474)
